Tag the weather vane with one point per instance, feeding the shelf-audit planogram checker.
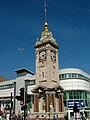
(45, 10)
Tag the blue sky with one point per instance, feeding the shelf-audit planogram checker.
(21, 22)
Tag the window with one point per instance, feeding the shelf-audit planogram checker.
(7, 86)
(42, 74)
(69, 75)
(66, 75)
(32, 82)
(77, 95)
(88, 99)
(53, 74)
(72, 75)
(76, 75)
(71, 95)
(65, 98)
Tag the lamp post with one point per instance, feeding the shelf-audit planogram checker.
(11, 106)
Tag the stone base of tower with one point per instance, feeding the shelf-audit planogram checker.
(47, 116)
(48, 102)
(46, 119)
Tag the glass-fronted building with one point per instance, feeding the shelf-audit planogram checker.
(77, 90)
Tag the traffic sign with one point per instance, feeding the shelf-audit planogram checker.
(80, 103)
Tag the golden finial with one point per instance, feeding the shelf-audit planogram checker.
(45, 26)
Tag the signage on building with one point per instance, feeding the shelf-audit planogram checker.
(80, 103)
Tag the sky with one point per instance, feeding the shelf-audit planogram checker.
(22, 21)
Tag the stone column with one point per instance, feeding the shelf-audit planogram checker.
(50, 98)
(62, 102)
(61, 105)
(54, 102)
(47, 108)
(36, 105)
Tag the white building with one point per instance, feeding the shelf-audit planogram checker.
(77, 90)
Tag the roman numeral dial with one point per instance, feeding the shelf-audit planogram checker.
(42, 55)
(53, 55)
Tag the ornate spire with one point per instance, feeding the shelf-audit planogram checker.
(45, 11)
(46, 35)
(45, 16)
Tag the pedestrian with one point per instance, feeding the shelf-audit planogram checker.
(7, 116)
(57, 117)
(54, 118)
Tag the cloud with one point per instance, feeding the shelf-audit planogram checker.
(74, 7)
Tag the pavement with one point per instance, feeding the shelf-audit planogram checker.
(3, 119)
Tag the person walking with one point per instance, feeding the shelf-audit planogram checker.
(54, 118)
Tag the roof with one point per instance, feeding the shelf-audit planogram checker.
(21, 70)
(46, 38)
(46, 87)
(73, 70)
(2, 79)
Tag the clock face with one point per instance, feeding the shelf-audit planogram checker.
(53, 55)
(42, 55)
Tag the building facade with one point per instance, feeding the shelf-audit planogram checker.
(77, 90)
(75, 82)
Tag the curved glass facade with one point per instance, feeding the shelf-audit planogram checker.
(77, 90)
(72, 75)
(77, 95)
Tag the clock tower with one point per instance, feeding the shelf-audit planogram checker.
(47, 71)
(48, 93)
